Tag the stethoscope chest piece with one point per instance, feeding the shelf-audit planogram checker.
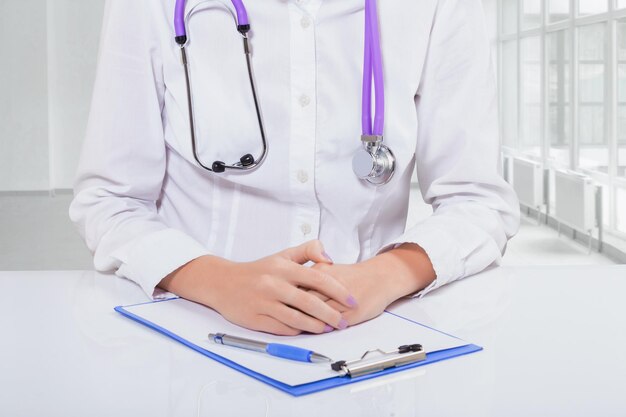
(374, 162)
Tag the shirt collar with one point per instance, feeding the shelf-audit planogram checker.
(311, 7)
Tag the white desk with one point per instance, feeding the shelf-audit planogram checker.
(554, 339)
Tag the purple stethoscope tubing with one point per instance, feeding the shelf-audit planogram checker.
(246, 162)
(374, 162)
(373, 67)
(179, 16)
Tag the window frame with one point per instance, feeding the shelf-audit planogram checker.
(572, 24)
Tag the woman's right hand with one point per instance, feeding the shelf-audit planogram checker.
(269, 294)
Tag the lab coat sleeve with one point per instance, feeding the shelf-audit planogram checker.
(475, 212)
(123, 161)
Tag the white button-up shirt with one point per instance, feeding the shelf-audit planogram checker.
(145, 207)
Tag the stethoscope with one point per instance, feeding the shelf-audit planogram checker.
(374, 162)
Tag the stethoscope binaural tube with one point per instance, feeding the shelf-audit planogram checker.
(179, 17)
(246, 162)
(374, 162)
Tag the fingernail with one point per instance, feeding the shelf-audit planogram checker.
(328, 329)
(327, 256)
(352, 301)
(343, 324)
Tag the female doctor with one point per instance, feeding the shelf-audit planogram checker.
(256, 156)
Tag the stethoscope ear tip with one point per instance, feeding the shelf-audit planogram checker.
(247, 160)
(218, 167)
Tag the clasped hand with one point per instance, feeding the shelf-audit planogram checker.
(270, 294)
(280, 295)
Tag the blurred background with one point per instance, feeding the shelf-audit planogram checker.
(561, 71)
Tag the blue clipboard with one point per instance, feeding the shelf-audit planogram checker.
(303, 389)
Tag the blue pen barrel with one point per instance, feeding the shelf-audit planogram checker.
(289, 352)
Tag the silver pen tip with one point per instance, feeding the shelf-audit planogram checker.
(317, 358)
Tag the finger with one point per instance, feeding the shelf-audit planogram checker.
(298, 320)
(357, 316)
(323, 283)
(309, 251)
(319, 295)
(343, 310)
(269, 324)
(333, 304)
(313, 307)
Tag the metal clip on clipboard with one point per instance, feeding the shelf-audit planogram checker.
(367, 365)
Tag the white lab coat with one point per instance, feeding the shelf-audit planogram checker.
(145, 208)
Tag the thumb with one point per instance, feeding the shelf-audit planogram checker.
(310, 251)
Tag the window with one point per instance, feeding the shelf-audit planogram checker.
(563, 89)
(509, 94)
(531, 16)
(559, 67)
(558, 10)
(621, 98)
(509, 16)
(587, 7)
(593, 146)
(530, 93)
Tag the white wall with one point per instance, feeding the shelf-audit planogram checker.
(23, 96)
(48, 50)
(73, 38)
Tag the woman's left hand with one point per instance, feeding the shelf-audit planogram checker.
(379, 281)
(373, 295)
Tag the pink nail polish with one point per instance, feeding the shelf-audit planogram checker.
(327, 256)
(352, 301)
(328, 329)
(343, 324)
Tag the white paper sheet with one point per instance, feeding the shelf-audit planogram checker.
(194, 322)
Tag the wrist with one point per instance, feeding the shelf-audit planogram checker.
(198, 280)
(405, 270)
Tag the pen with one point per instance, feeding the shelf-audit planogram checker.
(275, 349)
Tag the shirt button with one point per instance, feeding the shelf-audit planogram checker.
(305, 22)
(306, 228)
(303, 177)
(304, 100)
